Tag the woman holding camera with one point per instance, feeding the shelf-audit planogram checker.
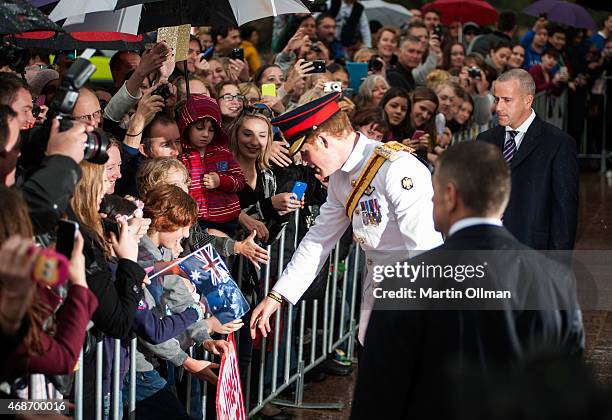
(474, 81)
(118, 299)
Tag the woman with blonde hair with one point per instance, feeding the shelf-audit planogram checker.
(118, 299)
(251, 143)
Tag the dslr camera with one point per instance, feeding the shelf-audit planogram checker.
(163, 91)
(375, 63)
(63, 104)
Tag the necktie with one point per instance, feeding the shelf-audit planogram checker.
(510, 146)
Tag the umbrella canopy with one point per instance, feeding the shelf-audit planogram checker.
(157, 13)
(17, 16)
(388, 14)
(82, 40)
(563, 12)
(478, 11)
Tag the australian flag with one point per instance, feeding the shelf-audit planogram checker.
(213, 282)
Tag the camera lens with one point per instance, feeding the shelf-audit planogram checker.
(96, 147)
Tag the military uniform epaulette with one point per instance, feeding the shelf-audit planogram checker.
(390, 150)
(383, 152)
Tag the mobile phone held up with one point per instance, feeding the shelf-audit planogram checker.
(318, 66)
(417, 134)
(66, 234)
(299, 188)
(237, 54)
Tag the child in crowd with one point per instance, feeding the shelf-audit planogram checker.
(216, 177)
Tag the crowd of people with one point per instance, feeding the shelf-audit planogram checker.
(195, 156)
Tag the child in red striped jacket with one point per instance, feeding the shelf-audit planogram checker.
(216, 177)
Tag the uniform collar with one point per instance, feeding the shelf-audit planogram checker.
(357, 155)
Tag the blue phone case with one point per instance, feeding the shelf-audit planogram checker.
(357, 74)
(299, 189)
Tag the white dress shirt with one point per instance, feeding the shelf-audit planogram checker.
(473, 221)
(522, 129)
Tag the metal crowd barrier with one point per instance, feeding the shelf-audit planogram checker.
(331, 337)
(551, 108)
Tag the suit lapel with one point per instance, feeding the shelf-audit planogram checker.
(529, 143)
(499, 137)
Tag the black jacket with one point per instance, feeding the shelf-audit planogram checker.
(400, 76)
(543, 208)
(48, 191)
(118, 300)
(410, 356)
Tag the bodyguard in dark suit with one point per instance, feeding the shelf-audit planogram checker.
(410, 357)
(543, 208)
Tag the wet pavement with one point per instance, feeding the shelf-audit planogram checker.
(594, 232)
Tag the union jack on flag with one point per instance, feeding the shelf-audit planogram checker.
(213, 282)
(203, 263)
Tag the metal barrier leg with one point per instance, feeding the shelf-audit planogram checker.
(116, 395)
(132, 394)
(333, 297)
(78, 390)
(99, 396)
(302, 368)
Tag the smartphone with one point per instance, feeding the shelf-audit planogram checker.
(237, 54)
(318, 67)
(268, 89)
(66, 234)
(299, 188)
(417, 134)
(437, 30)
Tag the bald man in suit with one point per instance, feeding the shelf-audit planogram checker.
(543, 208)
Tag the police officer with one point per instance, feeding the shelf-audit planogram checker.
(381, 189)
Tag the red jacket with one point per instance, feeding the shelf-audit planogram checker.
(537, 72)
(64, 347)
(221, 204)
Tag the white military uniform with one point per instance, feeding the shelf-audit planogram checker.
(403, 190)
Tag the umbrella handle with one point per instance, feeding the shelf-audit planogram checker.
(186, 78)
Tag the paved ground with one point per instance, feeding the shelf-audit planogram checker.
(594, 232)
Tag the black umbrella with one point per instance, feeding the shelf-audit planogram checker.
(17, 16)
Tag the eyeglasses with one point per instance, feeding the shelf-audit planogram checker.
(259, 109)
(228, 97)
(90, 117)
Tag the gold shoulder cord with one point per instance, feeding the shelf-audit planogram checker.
(387, 151)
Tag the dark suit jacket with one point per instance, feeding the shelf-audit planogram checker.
(410, 356)
(543, 208)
